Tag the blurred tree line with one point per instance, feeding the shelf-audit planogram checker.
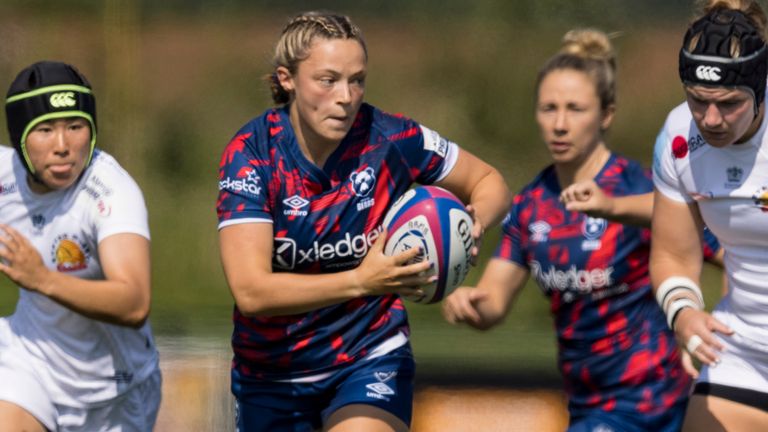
(175, 79)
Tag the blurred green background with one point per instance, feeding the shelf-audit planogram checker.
(175, 79)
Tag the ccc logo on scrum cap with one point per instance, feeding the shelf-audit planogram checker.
(708, 73)
(62, 100)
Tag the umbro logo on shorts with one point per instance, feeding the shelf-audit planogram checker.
(62, 100)
(708, 73)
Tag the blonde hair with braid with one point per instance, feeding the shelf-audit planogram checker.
(297, 38)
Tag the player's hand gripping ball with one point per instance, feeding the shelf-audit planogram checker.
(433, 219)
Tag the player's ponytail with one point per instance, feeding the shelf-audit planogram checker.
(296, 40)
(588, 51)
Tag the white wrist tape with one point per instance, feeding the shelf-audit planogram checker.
(675, 285)
(676, 306)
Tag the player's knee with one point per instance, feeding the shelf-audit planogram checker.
(357, 417)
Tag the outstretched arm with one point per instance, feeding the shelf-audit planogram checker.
(122, 297)
(486, 305)
(588, 198)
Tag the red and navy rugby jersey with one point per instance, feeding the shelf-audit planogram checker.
(590, 268)
(615, 349)
(325, 220)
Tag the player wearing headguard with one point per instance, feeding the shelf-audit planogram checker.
(579, 228)
(710, 167)
(321, 333)
(77, 354)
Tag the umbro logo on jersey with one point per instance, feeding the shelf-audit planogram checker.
(539, 231)
(296, 203)
(708, 73)
(62, 100)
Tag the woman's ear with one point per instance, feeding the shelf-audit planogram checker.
(608, 113)
(285, 78)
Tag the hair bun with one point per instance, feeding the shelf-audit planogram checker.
(588, 43)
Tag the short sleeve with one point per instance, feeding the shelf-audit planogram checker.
(242, 179)
(428, 155)
(665, 177)
(119, 207)
(510, 246)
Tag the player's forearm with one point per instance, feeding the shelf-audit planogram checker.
(498, 289)
(491, 314)
(491, 199)
(677, 237)
(663, 267)
(632, 209)
(116, 302)
(291, 293)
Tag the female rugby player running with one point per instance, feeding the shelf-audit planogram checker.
(77, 354)
(710, 168)
(620, 362)
(321, 334)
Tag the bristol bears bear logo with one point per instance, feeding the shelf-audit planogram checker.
(363, 181)
(593, 228)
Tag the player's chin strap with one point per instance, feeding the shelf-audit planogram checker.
(706, 57)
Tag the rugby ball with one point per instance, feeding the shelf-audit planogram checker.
(433, 219)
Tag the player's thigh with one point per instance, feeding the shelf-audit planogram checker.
(14, 418)
(383, 384)
(135, 410)
(21, 393)
(711, 413)
(359, 417)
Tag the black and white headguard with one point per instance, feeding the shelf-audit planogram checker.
(706, 57)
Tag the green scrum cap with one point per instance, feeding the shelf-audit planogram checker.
(43, 91)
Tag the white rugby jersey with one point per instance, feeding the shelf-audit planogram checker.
(730, 186)
(80, 361)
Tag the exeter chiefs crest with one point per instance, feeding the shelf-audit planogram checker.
(760, 198)
(69, 253)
